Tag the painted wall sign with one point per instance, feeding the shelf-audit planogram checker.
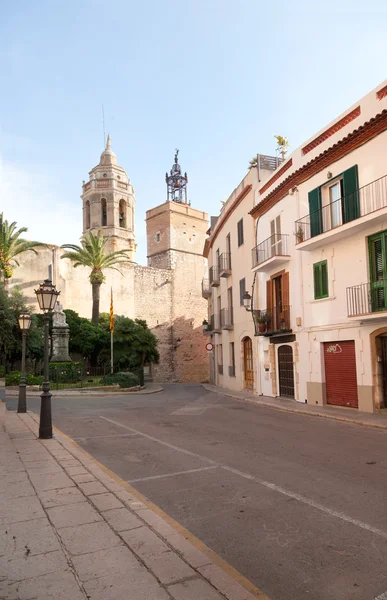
(334, 349)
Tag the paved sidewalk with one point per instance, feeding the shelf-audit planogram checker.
(69, 530)
(337, 413)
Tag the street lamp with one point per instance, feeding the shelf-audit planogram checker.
(47, 295)
(247, 301)
(24, 324)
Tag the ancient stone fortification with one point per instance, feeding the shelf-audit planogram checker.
(167, 293)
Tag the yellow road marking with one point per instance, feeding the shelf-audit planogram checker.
(215, 558)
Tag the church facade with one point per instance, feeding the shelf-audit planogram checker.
(166, 293)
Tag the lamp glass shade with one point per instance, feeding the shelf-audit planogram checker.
(24, 321)
(246, 300)
(47, 295)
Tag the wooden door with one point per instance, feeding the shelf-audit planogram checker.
(248, 362)
(340, 373)
(286, 371)
(384, 369)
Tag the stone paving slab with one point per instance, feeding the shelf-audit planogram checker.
(70, 530)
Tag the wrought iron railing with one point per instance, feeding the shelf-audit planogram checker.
(214, 324)
(275, 320)
(226, 318)
(225, 262)
(206, 288)
(231, 370)
(363, 201)
(275, 245)
(367, 298)
(214, 276)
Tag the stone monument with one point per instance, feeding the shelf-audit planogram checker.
(60, 336)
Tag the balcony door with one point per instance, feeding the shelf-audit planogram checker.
(277, 301)
(378, 271)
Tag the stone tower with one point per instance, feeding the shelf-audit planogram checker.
(108, 203)
(176, 233)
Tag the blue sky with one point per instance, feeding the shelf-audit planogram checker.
(215, 78)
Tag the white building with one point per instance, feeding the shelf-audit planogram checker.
(318, 269)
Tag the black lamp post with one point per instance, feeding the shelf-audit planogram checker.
(47, 295)
(247, 301)
(24, 324)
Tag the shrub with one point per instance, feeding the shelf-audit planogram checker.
(2, 371)
(66, 371)
(123, 379)
(13, 378)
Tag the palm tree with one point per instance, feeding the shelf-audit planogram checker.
(11, 245)
(93, 254)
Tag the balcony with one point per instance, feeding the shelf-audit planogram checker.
(270, 253)
(226, 318)
(225, 264)
(368, 301)
(344, 217)
(206, 289)
(275, 321)
(214, 324)
(214, 276)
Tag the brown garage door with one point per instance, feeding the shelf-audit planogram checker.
(340, 373)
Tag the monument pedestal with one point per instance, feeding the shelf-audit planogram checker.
(60, 336)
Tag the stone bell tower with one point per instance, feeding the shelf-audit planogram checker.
(108, 203)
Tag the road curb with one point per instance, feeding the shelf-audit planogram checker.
(296, 411)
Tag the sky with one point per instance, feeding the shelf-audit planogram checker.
(215, 78)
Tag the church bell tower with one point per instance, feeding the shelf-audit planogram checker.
(109, 202)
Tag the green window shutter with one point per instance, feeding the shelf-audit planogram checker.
(324, 279)
(316, 279)
(320, 279)
(351, 204)
(315, 212)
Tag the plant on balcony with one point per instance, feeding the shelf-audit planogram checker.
(263, 319)
(300, 234)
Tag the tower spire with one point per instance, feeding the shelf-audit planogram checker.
(176, 182)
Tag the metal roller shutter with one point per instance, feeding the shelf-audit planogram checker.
(340, 373)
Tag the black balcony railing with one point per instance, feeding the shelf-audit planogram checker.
(363, 201)
(214, 324)
(226, 318)
(220, 369)
(206, 288)
(231, 371)
(367, 298)
(225, 263)
(275, 320)
(214, 276)
(275, 245)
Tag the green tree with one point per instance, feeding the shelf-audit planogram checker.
(11, 246)
(86, 339)
(92, 253)
(134, 344)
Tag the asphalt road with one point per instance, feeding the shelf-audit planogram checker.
(297, 504)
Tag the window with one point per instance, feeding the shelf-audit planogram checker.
(275, 236)
(242, 289)
(230, 306)
(377, 247)
(335, 203)
(320, 278)
(157, 237)
(240, 232)
(231, 368)
(217, 259)
(220, 359)
(122, 213)
(228, 250)
(104, 212)
(87, 219)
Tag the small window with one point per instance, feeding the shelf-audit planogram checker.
(242, 289)
(240, 232)
(157, 237)
(231, 369)
(320, 278)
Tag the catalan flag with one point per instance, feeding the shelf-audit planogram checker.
(111, 312)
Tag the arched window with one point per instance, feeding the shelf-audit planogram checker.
(87, 219)
(103, 212)
(122, 213)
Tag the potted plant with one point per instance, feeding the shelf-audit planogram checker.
(263, 319)
(300, 234)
